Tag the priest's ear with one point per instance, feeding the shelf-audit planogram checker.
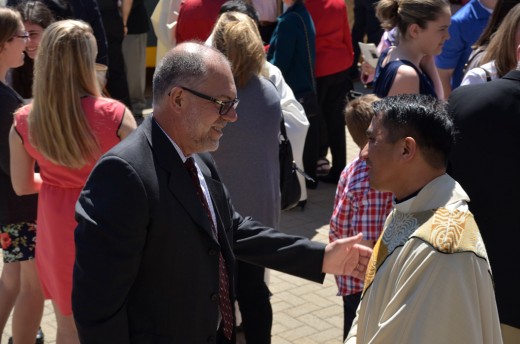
(409, 148)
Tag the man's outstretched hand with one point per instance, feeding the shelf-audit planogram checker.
(347, 257)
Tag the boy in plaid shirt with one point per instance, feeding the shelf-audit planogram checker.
(357, 207)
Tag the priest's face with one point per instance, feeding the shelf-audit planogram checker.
(382, 156)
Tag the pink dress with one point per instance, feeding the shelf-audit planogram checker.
(61, 186)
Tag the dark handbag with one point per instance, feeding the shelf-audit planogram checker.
(310, 104)
(289, 184)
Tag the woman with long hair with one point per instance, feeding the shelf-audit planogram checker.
(248, 158)
(422, 28)
(65, 130)
(499, 57)
(19, 284)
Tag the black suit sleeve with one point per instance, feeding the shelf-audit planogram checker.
(109, 239)
(258, 244)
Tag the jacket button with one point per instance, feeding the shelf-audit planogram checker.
(212, 252)
(211, 339)
(214, 297)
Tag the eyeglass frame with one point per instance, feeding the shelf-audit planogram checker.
(222, 103)
(25, 36)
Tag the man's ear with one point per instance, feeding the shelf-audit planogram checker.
(409, 148)
(176, 98)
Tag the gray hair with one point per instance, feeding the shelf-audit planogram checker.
(185, 65)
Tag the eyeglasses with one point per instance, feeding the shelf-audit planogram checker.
(23, 35)
(225, 105)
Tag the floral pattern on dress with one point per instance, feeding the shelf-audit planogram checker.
(18, 241)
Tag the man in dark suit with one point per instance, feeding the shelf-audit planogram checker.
(156, 238)
(486, 162)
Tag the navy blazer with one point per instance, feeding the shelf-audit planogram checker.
(486, 162)
(146, 266)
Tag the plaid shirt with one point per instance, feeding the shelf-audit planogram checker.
(357, 208)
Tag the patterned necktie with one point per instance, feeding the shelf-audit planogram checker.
(225, 303)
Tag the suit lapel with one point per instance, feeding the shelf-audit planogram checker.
(179, 180)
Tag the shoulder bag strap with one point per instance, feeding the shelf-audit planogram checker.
(308, 51)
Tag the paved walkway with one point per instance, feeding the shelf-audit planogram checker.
(303, 312)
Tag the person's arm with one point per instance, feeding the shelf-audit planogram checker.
(445, 77)
(25, 180)
(406, 81)
(126, 8)
(428, 67)
(128, 125)
(112, 226)
(9, 105)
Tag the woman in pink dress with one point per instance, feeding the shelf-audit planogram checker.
(65, 130)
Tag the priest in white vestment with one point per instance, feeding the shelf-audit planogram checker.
(429, 279)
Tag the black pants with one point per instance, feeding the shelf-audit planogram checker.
(350, 305)
(255, 306)
(365, 23)
(332, 96)
(117, 84)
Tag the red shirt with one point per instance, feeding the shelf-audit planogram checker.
(196, 19)
(334, 52)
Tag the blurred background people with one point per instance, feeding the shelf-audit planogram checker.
(502, 8)
(296, 123)
(466, 26)
(499, 57)
(19, 284)
(86, 10)
(248, 158)
(114, 14)
(292, 50)
(334, 57)
(65, 130)
(422, 29)
(36, 17)
(268, 12)
(134, 53)
(365, 24)
(196, 19)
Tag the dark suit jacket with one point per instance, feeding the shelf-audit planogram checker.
(486, 162)
(146, 266)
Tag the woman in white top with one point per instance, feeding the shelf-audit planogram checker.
(500, 55)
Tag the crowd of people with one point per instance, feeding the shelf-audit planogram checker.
(127, 225)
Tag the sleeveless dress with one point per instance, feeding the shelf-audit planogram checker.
(384, 77)
(60, 189)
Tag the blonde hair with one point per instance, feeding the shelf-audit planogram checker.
(403, 13)
(502, 46)
(237, 37)
(10, 22)
(64, 71)
(358, 115)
